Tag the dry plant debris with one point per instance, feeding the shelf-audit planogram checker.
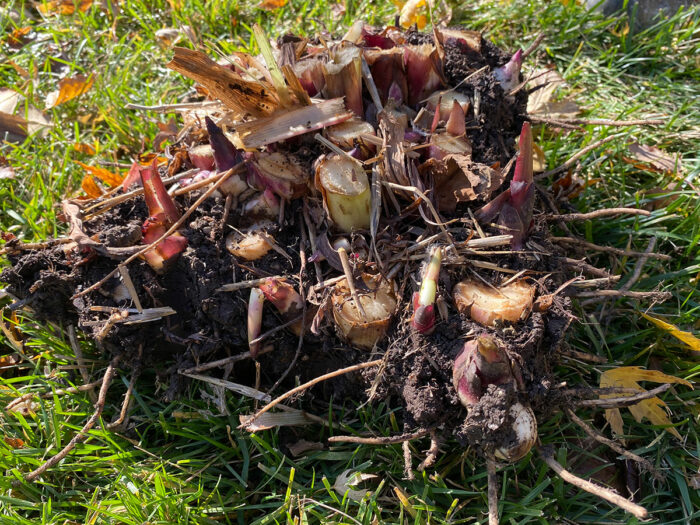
(363, 188)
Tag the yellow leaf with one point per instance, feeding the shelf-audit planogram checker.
(68, 89)
(106, 176)
(271, 5)
(403, 498)
(652, 409)
(688, 338)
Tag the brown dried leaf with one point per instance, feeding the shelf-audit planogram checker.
(17, 38)
(8, 361)
(458, 179)
(301, 446)
(242, 96)
(68, 89)
(653, 409)
(653, 159)
(545, 84)
(13, 442)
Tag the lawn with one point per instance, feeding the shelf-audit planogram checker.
(185, 461)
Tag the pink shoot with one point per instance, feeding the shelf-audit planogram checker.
(509, 74)
(423, 319)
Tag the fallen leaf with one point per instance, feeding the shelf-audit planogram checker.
(653, 159)
(347, 482)
(301, 446)
(7, 172)
(8, 361)
(9, 325)
(68, 89)
(275, 419)
(18, 36)
(271, 5)
(653, 409)
(13, 442)
(90, 187)
(81, 147)
(64, 7)
(688, 338)
(106, 176)
(9, 99)
(543, 87)
(539, 162)
(168, 36)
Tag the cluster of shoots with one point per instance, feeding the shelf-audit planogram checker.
(163, 214)
(483, 362)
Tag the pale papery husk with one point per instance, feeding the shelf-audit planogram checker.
(379, 305)
(491, 305)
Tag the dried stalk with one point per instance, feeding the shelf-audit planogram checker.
(609, 249)
(309, 384)
(381, 440)
(82, 434)
(572, 160)
(597, 490)
(619, 402)
(605, 212)
(492, 491)
(593, 433)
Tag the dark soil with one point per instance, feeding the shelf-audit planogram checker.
(209, 325)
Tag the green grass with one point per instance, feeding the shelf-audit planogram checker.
(184, 461)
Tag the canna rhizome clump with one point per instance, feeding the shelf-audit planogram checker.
(365, 203)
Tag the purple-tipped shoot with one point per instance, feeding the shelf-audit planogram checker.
(255, 311)
(423, 319)
(509, 74)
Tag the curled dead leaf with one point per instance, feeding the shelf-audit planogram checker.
(653, 159)
(542, 101)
